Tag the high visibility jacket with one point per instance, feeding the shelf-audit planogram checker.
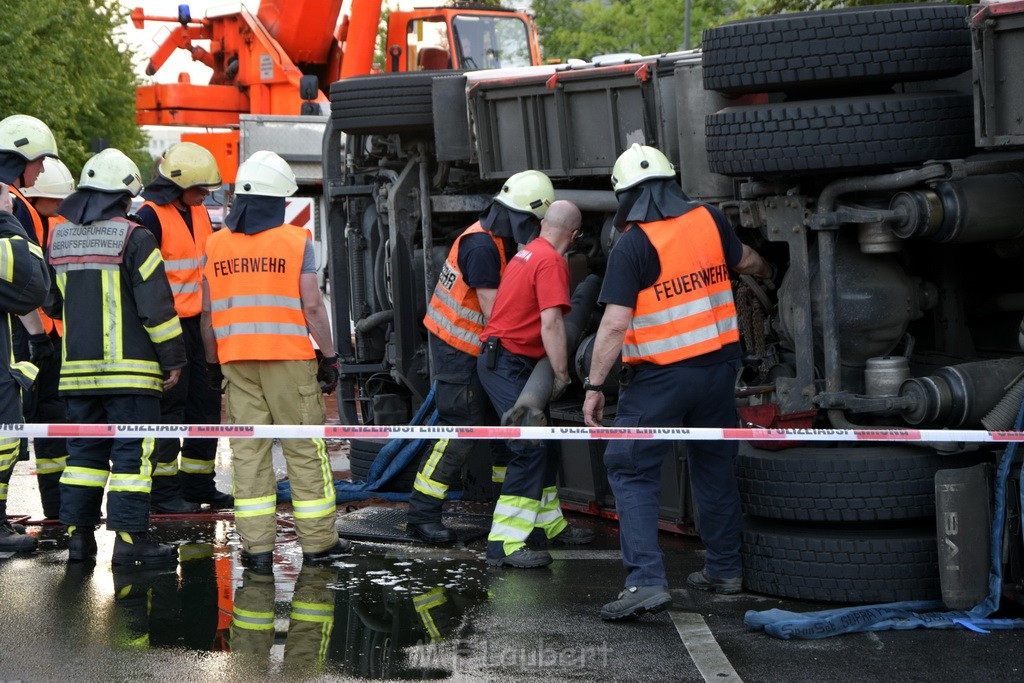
(455, 315)
(689, 310)
(42, 229)
(120, 328)
(182, 251)
(255, 299)
(24, 281)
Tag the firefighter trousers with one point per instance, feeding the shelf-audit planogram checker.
(191, 401)
(47, 406)
(529, 497)
(458, 403)
(10, 447)
(128, 463)
(310, 622)
(279, 392)
(676, 396)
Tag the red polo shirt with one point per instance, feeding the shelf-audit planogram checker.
(535, 279)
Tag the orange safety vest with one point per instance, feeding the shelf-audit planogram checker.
(255, 299)
(689, 310)
(49, 324)
(455, 315)
(182, 251)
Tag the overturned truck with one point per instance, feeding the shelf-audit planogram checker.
(875, 155)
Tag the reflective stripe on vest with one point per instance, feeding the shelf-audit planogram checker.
(255, 297)
(182, 251)
(455, 315)
(689, 310)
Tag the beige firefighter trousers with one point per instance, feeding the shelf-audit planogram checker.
(279, 392)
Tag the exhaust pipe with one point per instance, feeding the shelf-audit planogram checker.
(533, 399)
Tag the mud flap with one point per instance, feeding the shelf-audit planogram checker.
(963, 514)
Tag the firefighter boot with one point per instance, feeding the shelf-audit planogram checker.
(12, 541)
(142, 547)
(81, 543)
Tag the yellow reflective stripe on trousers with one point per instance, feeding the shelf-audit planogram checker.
(498, 474)
(193, 466)
(319, 612)
(195, 551)
(253, 621)
(166, 469)
(84, 476)
(255, 507)
(3, 491)
(9, 449)
(312, 509)
(424, 484)
(135, 483)
(51, 465)
(514, 518)
(426, 602)
(550, 516)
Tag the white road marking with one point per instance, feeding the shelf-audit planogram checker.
(708, 657)
(585, 554)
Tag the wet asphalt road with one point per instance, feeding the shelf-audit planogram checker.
(78, 622)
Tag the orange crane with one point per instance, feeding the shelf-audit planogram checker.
(279, 60)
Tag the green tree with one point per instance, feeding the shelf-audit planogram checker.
(63, 64)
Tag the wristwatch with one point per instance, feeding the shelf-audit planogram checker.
(587, 386)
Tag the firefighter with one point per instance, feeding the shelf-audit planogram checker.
(458, 310)
(121, 335)
(24, 142)
(670, 313)
(526, 324)
(261, 303)
(52, 186)
(174, 212)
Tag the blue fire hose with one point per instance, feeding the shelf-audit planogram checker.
(907, 615)
(392, 459)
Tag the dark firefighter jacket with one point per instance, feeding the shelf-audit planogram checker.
(24, 281)
(120, 329)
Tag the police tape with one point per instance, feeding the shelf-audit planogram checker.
(105, 431)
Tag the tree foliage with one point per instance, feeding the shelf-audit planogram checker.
(585, 28)
(63, 65)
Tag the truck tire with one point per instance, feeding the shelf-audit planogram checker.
(844, 135)
(840, 566)
(819, 484)
(383, 103)
(363, 452)
(853, 46)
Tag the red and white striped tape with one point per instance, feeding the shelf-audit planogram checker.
(104, 431)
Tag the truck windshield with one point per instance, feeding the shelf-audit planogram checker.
(491, 42)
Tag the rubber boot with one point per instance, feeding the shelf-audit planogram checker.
(142, 547)
(81, 543)
(202, 490)
(166, 499)
(12, 541)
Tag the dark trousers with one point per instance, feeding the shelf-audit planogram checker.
(461, 401)
(532, 469)
(675, 396)
(128, 461)
(191, 401)
(10, 413)
(47, 406)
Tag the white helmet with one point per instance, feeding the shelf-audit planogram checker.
(640, 163)
(54, 182)
(27, 136)
(187, 164)
(265, 173)
(111, 171)
(529, 192)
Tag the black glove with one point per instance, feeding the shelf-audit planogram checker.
(40, 349)
(327, 374)
(216, 376)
